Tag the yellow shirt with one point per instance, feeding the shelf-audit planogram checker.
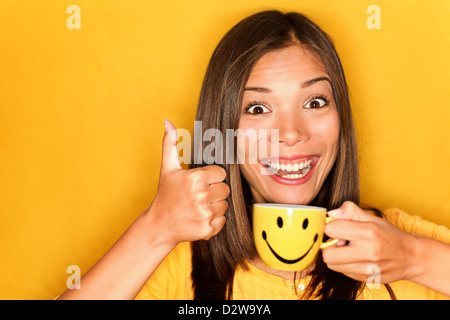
(171, 281)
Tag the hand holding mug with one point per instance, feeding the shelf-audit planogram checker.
(372, 242)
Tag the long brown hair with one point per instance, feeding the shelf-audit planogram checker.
(214, 261)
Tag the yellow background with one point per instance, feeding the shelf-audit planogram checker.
(81, 115)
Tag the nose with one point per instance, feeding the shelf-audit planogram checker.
(292, 128)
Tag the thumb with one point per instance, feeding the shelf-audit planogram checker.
(170, 153)
(350, 211)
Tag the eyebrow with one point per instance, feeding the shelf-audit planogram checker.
(257, 89)
(309, 83)
(305, 84)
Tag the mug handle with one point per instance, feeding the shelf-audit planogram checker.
(330, 242)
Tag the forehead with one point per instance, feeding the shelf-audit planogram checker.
(294, 61)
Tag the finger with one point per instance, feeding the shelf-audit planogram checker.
(350, 211)
(357, 271)
(343, 255)
(215, 174)
(218, 192)
(217, 225)
(169, 153)
(346, 229)
(219, 208)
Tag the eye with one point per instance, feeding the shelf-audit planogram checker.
(316, 103)
(257, 109)
(305, 223)
(280, 222)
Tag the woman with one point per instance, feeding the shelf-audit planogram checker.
(270, 71)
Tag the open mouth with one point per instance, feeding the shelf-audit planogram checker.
(289, 171)
(287, 261)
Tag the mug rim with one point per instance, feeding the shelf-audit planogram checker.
(287, 206)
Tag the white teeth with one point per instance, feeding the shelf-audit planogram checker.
(297, 176)
(299, 169)
(305, 171)
(293, 176)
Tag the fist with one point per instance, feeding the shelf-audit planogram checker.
(190, 204)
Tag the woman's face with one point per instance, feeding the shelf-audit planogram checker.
(289, 90)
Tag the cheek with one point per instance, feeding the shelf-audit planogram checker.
(252, 145)
(328, 129)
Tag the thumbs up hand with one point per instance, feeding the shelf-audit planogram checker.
(190, 204)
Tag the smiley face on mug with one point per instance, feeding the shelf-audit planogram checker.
(288, 237)
(280, 223)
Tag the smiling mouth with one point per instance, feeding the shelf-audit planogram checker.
(287, 261)
(290, 169)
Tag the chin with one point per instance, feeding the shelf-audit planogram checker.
(284, 197)
(291, 200)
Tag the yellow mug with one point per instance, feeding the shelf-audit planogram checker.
(288, 237)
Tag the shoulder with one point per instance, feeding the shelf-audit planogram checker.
(417, 225)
